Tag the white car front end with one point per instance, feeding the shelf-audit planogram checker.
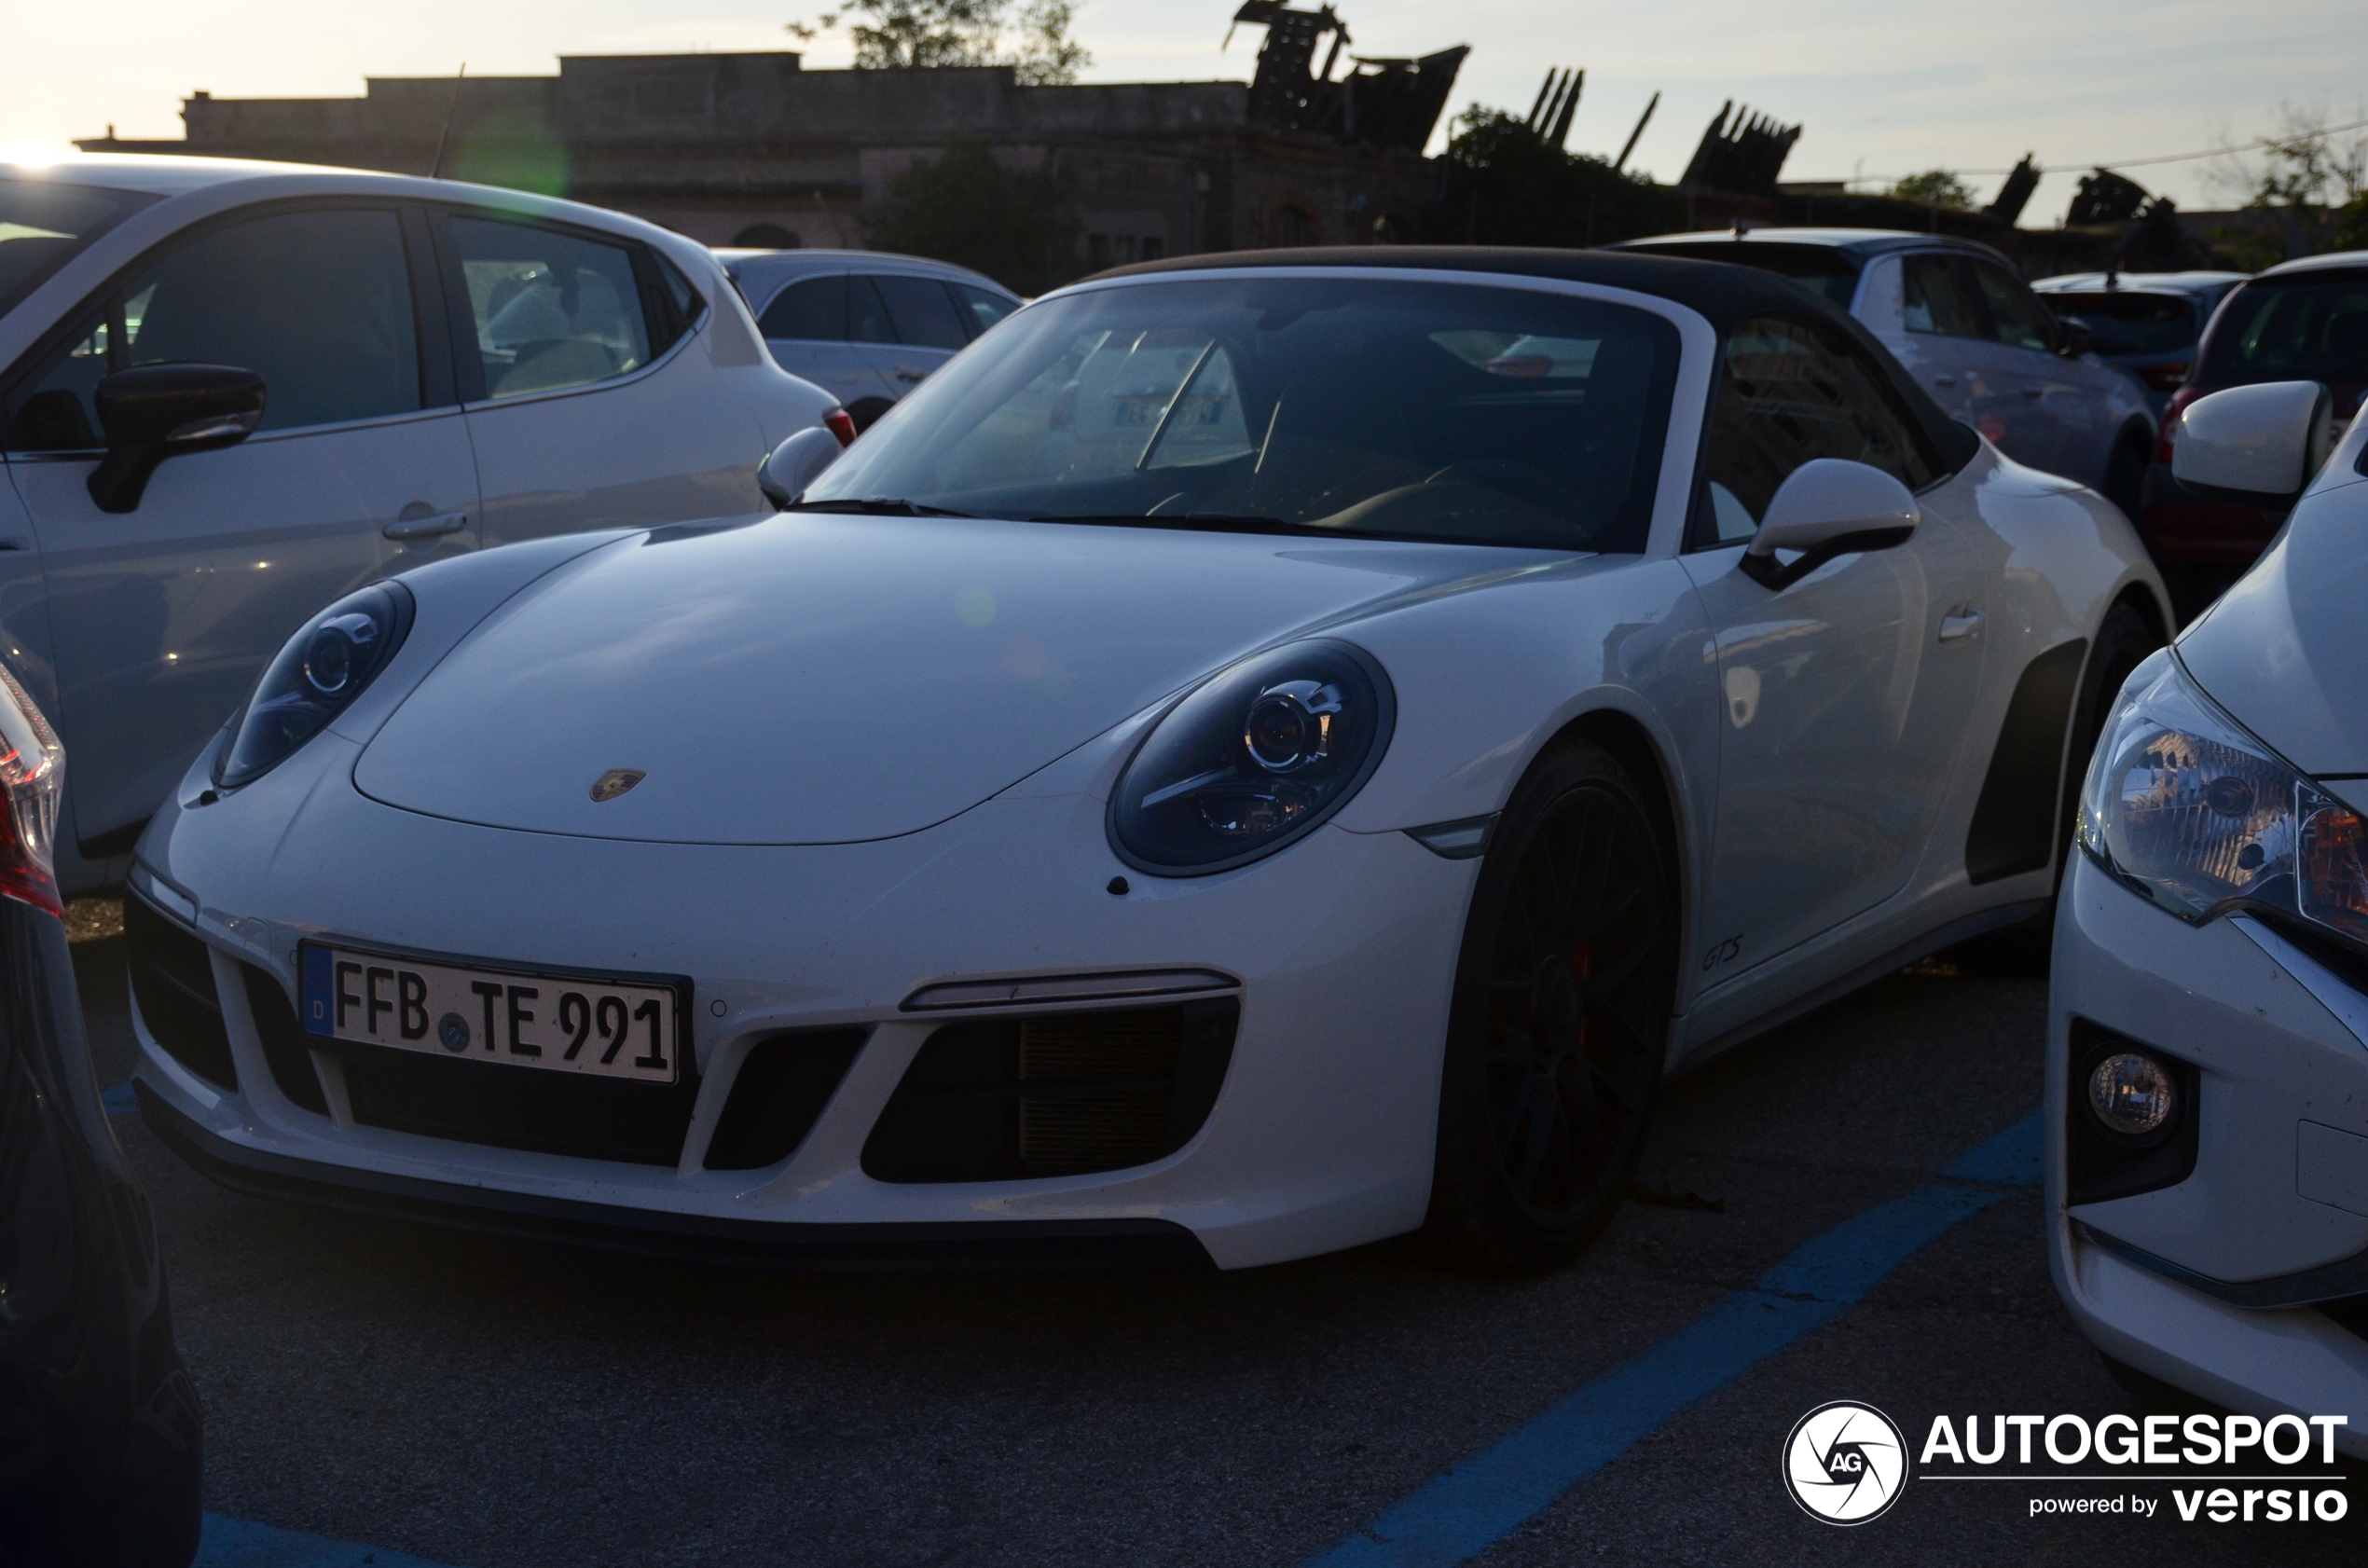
(2207, 1069)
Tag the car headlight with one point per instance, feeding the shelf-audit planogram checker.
(316, 676)
(2187, 808)
(1255, 758)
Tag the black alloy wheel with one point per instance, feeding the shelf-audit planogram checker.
(1560, 1024)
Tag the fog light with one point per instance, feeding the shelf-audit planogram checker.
(2132, 1093)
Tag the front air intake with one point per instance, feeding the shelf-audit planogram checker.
(1064, 1094)
(173, 981)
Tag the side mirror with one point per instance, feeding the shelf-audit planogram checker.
(2257, 446)
(797, 463)
(1828, 507)
(152, 412)
(2074, 336)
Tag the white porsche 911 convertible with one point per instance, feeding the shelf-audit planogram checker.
(1260, 754)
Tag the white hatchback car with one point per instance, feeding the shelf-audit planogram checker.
(2208, 1080)
(1974, 335)
(230, 393)
(867, 325)
(1258, 755)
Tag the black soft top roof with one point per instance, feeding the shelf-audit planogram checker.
(1722, 293)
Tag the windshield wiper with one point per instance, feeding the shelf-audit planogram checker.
(1204, 522)
(878, 506)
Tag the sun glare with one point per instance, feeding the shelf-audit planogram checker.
(31, 154)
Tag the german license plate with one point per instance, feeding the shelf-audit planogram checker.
(608, 1028)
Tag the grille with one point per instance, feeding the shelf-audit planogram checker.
(1062, 1095)
(285, 1050)
(172, 979)
(778, 1094)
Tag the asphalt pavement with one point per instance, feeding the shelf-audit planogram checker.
(480, 1402)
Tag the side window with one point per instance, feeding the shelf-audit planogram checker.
(867, 317)
(983, 308)
(1942, 298)
(2018, 319)
(316, 303)
(551, 311)
(1789, 392)
(53, 411)
(813, 309)
(923, 314)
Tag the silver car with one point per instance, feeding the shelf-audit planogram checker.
(867, 325)
(1973, 334)
(232, 391)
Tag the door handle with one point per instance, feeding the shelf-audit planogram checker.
(1944, 380)
(2034, 391)
(906, 372)
(1962, 624)
(410, 529)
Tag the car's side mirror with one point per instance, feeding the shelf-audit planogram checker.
(2074, 336)
(1828, 507)
(152, 412)
(2257, 446)
(797, 463)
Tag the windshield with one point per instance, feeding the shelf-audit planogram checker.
(1375, 407)
(43, 225)
(1820, 267)
(2313, 327)
(2129, 322)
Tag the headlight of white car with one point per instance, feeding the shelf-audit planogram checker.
(2187, 808)
(1254, 759)
(316, 676)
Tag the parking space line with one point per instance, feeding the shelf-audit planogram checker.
(1480, 1502)
(237, 1543)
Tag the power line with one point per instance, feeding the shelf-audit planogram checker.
(2145, 162)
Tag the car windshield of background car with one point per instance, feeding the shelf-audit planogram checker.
(43, 226)
(1474, 414)
(2311, 327)
(1820, 267)
(2126, 323)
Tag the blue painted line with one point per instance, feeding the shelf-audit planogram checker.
(237, 1543)
(119, 1100)
(1475, 1505)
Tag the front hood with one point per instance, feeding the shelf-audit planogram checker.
(2286, 650)
(821, 679)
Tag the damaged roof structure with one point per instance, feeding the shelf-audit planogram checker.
(753, 148)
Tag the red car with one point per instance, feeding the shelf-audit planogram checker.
(2307, 320)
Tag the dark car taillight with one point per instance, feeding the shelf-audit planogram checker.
(2186, 395)
(2164, 377)
(30, 775)
(841, 423)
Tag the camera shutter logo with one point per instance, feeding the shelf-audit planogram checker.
(1845, 1463)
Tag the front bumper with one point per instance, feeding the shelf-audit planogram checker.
(2236, 1283)
(1344, 947)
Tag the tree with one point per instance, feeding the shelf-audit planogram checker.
(1510, 185)
(1936, 187)
(969, 209)
(2316, 183)
(1032, 37)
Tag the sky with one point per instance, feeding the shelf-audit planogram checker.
(1883, 89)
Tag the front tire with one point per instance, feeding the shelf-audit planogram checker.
(1558, 1027)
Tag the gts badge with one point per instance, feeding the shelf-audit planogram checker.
(1722, 952)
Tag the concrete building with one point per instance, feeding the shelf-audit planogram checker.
(754, 149)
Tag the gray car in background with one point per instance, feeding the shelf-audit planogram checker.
(2147, 324)
(1973, 334)
(867, 325)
